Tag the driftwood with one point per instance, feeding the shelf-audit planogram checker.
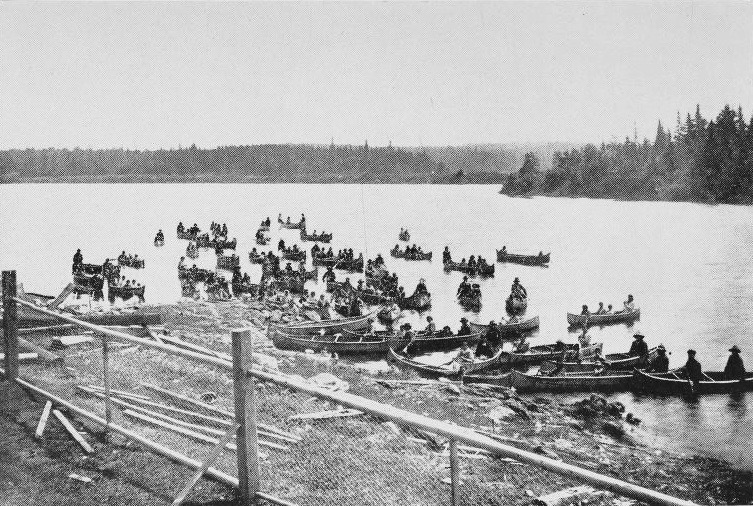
(43, 419)
(72, 431)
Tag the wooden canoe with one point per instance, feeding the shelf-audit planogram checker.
(315, 237)
(290, 225)
(389, 314)
(417, 301)
(256, 259)
(355, 265)
(124, 292)
(538, 354)
(335, 343)
(396, 253)
(612, 362)
(203, 241)
(542, 260)
(471, 302)
(325, 261)
(443, 371)
(484, 271)
(509, 328)
(603, 319)
(570, 382)
(326, 326)
(187, 235)
(131, 262)
(296, 256)
(423, 343)
(194, 275)
(228, 263)
(674, 383)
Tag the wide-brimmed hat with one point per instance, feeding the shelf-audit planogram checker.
(638, 335)
(464, 319)
(661, 348)
(429, 318)
(691, 352)
(735, 349)
(516, 280)
(492, 322)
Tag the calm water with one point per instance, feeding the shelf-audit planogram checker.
(688, 266)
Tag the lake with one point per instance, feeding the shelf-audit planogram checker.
(689, 266)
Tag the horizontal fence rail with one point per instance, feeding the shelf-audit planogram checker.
(384, 411)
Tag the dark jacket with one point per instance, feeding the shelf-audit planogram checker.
(639, 348)
(693, 370)
(735, 369)
(659, 364)
(484, 349)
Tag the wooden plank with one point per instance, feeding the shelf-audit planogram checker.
(322, 415)
(30, 317)
(245, 416)
(72, 431)
(54, 303)
(23, 356)
(454, 473)
(43, 419)
(213, 455)
(10, 324)
(34, 330)
(120, 393)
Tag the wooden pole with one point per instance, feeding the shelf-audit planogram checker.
(72, 431)
(10, 324)
(454, 472)
(245, 416)
(106, 380)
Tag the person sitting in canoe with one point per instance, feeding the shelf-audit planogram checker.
(288, 220)
(692, 368)
(347, 286)
(446, 257)
(465, 329)
(281, 245)
(518, 291)
(421, 286)
(181, 228)
(584, 311)
(484, 349)
(660, 364)
(609, 309)
(600, 309)
(463, 263)
(628, 305)
(492, 335)
(639, 349)
(472, 262)
(160, 236)
(431, 327)
(735, 369)
(464, 288)
(503, 251)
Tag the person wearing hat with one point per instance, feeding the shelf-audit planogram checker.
(692, 368)
(431, 327)
(465, 329)
(735, 369)
(484, 349)
(492, 335)
(465, 287)
(660, 363)
(601, 309)
(639, 348)
(518, 291)
(446, 257)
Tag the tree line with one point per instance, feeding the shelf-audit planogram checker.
(707, 161)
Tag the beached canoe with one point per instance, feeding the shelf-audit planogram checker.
(537, 354)
(323, 327)
(504, 257)
(674, 383)
(397, 253)
(443, 371)
(571, 382)
(516, 306)
(603, 319)
(612, 362)
(509, 328)
(340, 343)
(417, 302)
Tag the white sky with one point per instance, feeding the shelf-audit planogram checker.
(145, 75)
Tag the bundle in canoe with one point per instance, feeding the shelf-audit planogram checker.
(571, 382)
(603, 319)
(503, 256)
(340, 343)
(537, 354)
(389, 314)
(516, 306)
(125, 292)
(442, 370)
(509, 328)
(419, 255)
(289, 224)
(325, 326)
(612, 362)
(674, 383)
(419, 301)
(322, 237)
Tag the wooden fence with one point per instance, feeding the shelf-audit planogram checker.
(245, 414)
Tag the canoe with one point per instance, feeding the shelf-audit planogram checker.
(538, 354)
(262, 240)
(228, 263)
(404, 236)
(355, 265)
(125, 293)
(194, 275)
(612, 362)
(315, 237)
(443, 371)
(389, 314)
(603, 319)
(263, 228)
(131, 262)
(326, 326)
(509, 328)
(335, 343)
(423, 343)
(291, 225)
(396, 253)
(515, 306)
(484, 271)
(158, 243)
(470, 301)
(324, 261)
(417, 301)
(672, 383)
(256, 259)
(89, 269)
(296, 256)
(187, 235)
(570, 382)
(291, 284)
(204, 241)
(522, 259)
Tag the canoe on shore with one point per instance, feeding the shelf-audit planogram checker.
(443, 371)
(571, 382)
(509, 328)
(537, 354)
(323, 327)
(504, 257)
(397, 253)
(612, 362)
(341, 343)
(673, 383)
(603, 319)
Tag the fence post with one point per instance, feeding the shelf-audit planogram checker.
(10, 324)
(245, 416)
(106, 381)
(454, 472)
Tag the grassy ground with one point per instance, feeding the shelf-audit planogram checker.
(358, 460)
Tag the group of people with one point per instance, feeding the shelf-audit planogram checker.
(127, 259)
(410, 251)
(194, 230)
(302, 222)
(469, 290)
(266, 223)
(628, 306)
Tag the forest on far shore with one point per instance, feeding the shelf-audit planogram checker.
(702, 160)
